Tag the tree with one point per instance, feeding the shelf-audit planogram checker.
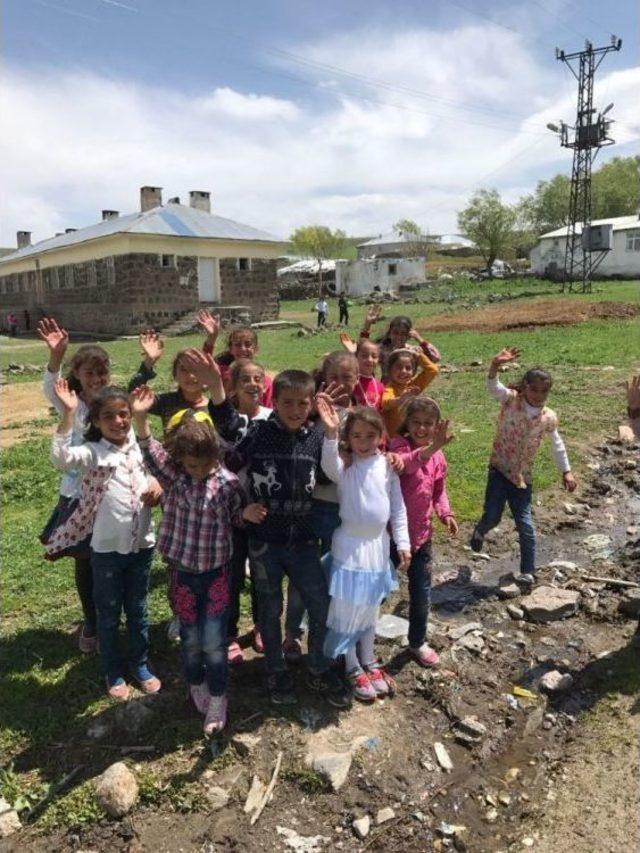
(320, 243)
(489, 223)
(417, 243)
(615, 192)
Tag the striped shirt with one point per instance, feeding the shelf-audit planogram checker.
(198, 515)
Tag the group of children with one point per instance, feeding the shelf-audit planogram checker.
(331, 479)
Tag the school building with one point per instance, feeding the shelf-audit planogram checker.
(153, 268)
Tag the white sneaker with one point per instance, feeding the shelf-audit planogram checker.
(173, 630)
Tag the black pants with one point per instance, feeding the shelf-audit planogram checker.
(322, 318)
(238, 562)
(84, 585)
(344, 315)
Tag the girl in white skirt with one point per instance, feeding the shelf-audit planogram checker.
(361, 573)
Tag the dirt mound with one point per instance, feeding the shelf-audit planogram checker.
(522, 315)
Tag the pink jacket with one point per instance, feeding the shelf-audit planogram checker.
(423, 489)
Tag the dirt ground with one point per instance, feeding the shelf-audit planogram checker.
(549, 773)
(21, 402)
(520, 315)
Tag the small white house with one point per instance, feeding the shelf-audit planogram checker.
(355, 278)
(623, 259)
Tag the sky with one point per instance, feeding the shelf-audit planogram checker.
(343, 113)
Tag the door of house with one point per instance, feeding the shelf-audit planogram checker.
(208, 280)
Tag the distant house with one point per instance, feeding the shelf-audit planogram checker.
(355, 278)
(143, 269)
(547, 257)
(393, 245)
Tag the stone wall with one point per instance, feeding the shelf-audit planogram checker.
(126, 293)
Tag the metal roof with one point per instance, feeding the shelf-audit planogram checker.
(619, 223)
(175, 220)
(392, 237)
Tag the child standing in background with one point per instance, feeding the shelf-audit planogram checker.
(321, 308)
(404, 383)
(112, 512)
(203, 502)
(523, 422)
(419, 445)
(361, 572)
(396, 337)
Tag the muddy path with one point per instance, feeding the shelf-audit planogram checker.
(528, 771)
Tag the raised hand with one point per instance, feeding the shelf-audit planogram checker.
(506, 355)
(373, 315)
(254, 513)
(442, 436)
(407, 396)
(328, 414)
(415, 335)
(141, 399)
(152, 346)
(334, 391)
(633, 392)
(348, 343)
(67, 397)
(205, 369)
(395, 462)
(56, 339)
(209, 322)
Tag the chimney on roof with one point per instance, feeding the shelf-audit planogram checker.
(110, 214)
(23, 238)
(150, 197)
(69, 230)
(200, 200)
(174, 200)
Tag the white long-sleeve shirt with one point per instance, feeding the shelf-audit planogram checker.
(70, 483)
(122, 522)
(500, 393)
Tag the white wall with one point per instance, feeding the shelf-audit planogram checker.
(619, 261)
(357, 277)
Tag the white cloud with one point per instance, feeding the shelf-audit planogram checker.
(358, 156)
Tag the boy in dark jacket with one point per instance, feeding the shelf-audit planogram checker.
(282, 455)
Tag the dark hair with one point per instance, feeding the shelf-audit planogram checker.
(176, 361)
(535, 374)
(238, 366)
(293, 380)
(192, 437)
(225, 357)
(366, 415)
(400, 320)
(87, 355)
(420, 405)
(109, 392)
(397, 354)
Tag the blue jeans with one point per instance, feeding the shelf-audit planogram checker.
(501, 491)
(121, 581)
(201, 602)
(300, 562)
(325, 517)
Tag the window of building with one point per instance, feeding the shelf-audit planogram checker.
(111, 270)
(392, 269)
(633, 241)
(243, 264)
(167, 261)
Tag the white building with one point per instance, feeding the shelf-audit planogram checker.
(355, 278)
(622, 260)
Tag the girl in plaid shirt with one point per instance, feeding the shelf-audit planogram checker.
(202, 503)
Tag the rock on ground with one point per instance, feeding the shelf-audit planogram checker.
(361, 826)
(384, 815)
(302, 843)
(9, 820)
(548, 604)
(334, 766)
(556, 682)
(117, 790)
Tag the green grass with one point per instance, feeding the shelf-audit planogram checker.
(50, 691)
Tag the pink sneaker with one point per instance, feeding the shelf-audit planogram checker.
(426, 656)
(119, 690)
(363, 689)
(292, 648)
(216, 718)
(381, 681)
(234, 653)
(200, 697)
